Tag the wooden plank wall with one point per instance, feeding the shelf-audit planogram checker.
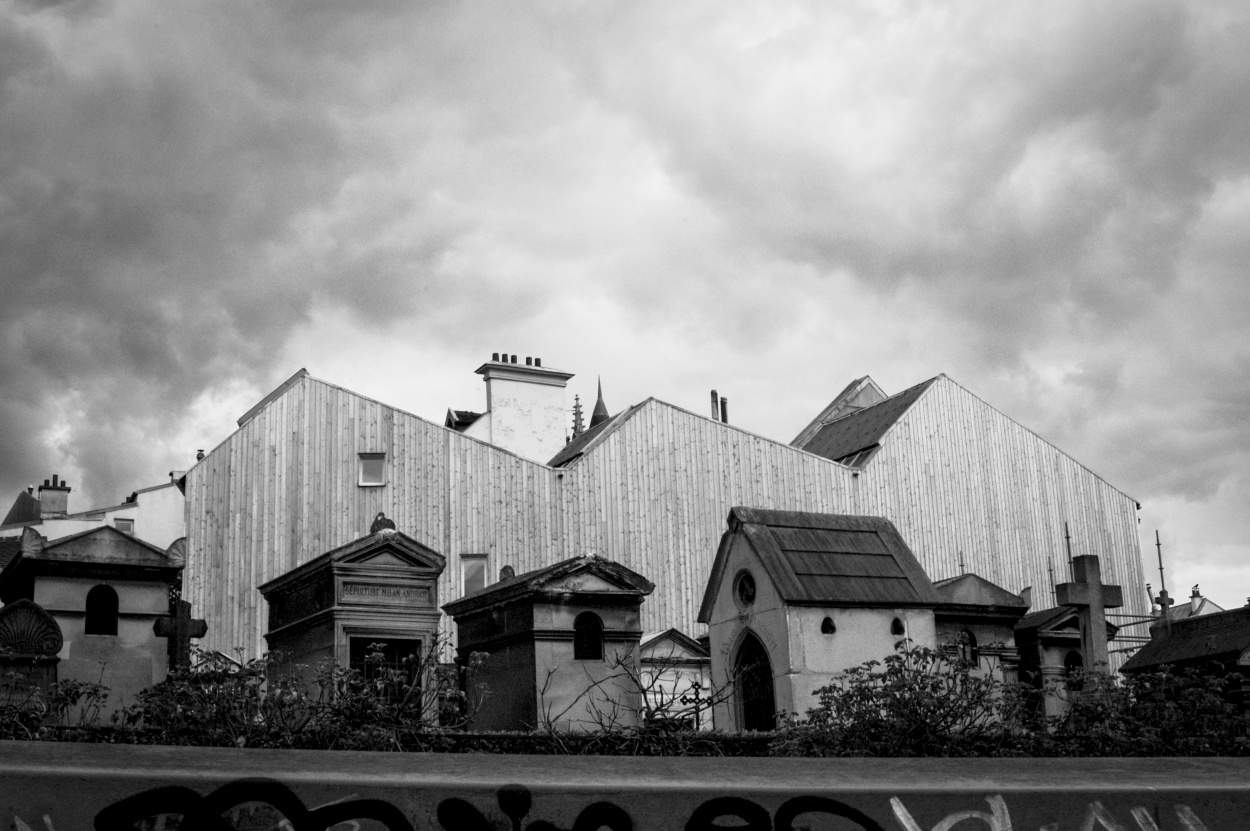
(958, 478)
(966, 484)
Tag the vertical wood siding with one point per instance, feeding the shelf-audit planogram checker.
(959, 479)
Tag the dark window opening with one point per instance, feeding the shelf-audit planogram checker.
(587, 637)
(827, 627)
(897, 629)
(968, 651)
(101, 611)
(395, 660)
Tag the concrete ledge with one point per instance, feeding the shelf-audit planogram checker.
(61, 787)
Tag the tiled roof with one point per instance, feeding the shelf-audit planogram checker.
(460, 419)
(864, 428)
(826, 559)
(579, 444)
(10, 547)
(1215, 637)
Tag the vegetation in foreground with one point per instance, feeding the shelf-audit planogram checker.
(917, 702)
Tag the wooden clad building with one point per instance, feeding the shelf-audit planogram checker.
(311, 465)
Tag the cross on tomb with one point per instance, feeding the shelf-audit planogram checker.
(1092, 599)
(180, 628)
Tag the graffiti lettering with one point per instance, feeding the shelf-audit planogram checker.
(255, 804)
(208, 813)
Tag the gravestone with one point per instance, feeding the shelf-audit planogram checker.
(29, 642)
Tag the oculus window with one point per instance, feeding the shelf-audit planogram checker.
(744, 589)
(372, 468)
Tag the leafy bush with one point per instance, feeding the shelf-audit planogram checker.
(917, 702)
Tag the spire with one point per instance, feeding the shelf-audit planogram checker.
(600, 413)
(578, 425)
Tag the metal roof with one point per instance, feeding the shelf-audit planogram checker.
(826, 560)
(862, 429)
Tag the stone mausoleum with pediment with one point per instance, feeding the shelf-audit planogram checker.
(381, 589)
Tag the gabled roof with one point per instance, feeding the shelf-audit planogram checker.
(26, 508)
(277, 392)
(826, 560)
(1055, 617)
(460, 420)
(1217, 637)
(102, 548)
(863, 429)
(387, 547)
(972, 593)
(860, 393)
(583, 443)
(598, 577)
(677, 638)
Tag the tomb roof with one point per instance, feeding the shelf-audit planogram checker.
(826, 560)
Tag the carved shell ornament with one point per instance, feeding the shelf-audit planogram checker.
(27, 630)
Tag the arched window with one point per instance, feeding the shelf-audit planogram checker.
(897, 629)
(588, 637)
(827, 627)
(968, 651)
(101, 611)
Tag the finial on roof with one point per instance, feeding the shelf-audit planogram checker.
(600, 413)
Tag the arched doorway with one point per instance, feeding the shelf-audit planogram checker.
(757, 708)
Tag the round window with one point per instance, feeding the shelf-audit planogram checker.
(744, 588)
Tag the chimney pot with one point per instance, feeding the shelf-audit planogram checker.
(47, 483)
(724, 409)
(538, 362)
(514, 359)
(494, 356)
(715, 408)
(54, 478)
(529, 361)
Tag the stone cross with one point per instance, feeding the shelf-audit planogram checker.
(1091, 599)
(180, 628)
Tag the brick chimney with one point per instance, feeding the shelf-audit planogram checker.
(524, 407)
(53, 498)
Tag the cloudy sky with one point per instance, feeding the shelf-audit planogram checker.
(1049, 203)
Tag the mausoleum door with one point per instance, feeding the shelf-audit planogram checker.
(395, 654)
(757, 708)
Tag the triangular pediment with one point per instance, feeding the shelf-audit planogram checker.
(389, 548)
(104, 545)
(584, 581)
(975, 590)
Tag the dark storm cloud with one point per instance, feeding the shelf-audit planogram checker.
(1048, 202)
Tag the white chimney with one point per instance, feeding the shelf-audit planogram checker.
(524, 407)
(1195, 601)
(53, 498)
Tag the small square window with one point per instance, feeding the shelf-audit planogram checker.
(127, 525)
(372, 470)
(473, 569)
